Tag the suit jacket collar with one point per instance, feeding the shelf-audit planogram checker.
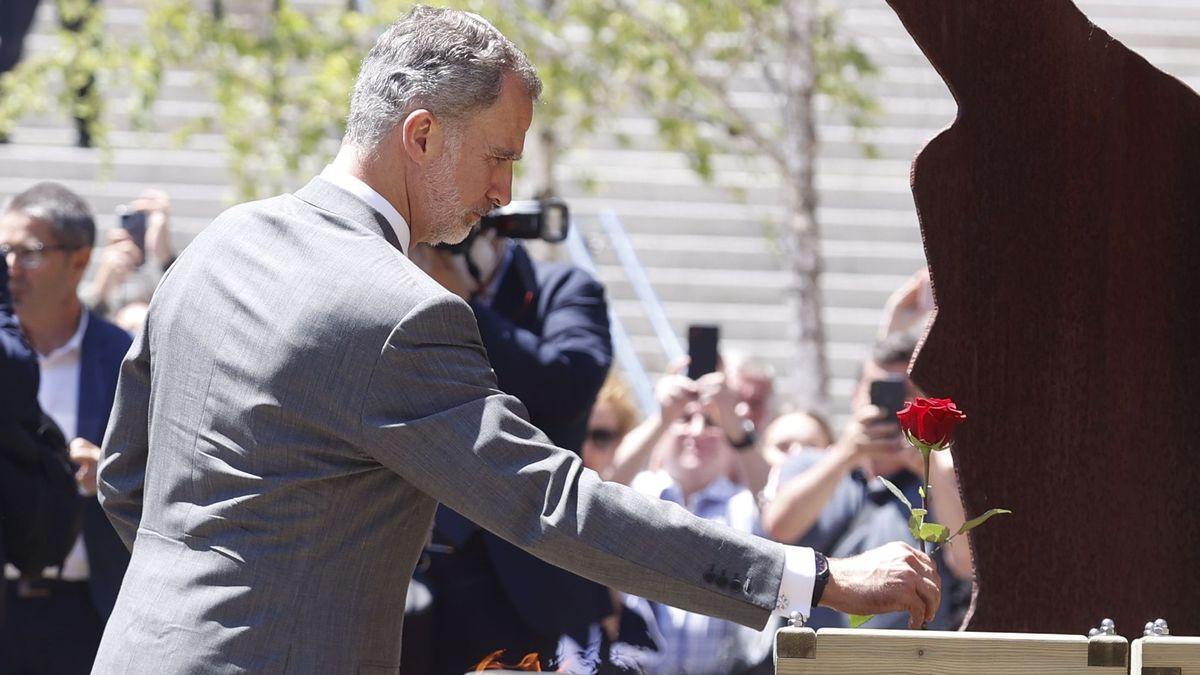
(517, 292)
(329, 197)
(99, 363)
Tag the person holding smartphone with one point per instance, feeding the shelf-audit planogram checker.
(137, 252)
(829, 499)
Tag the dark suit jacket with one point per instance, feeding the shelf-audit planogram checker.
(547, 338)
(18, 363)
(104, 347)
(19, 373)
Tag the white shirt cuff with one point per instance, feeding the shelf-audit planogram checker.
(796, 587)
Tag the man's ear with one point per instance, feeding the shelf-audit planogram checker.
(420, 135)
(79, 259)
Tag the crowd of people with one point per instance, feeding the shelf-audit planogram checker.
(721, 447)
(797, 482)
(545, 328)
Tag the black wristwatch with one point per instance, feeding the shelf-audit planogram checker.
(748, 437)
(822, 577)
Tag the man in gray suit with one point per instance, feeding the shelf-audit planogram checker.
(302, 396)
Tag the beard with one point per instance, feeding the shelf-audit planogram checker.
(449, 221)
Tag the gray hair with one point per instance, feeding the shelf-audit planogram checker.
(446, 61)
(68, 214)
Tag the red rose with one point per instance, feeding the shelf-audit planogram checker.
(930, 420)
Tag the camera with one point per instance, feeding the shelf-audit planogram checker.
(545, 219)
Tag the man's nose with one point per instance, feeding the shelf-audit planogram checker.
(696, 425)
(500, 193)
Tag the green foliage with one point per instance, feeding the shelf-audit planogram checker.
(934, 533)
(897, 492)
(74, 74)
(857, 620)
(279, 77)
(976, 522)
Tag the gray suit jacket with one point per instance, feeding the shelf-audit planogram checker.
(300, 400)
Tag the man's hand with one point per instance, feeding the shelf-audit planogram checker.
(118, 258)
(674, 392)
(892, 578)
(446, 268)
(870, 434)
(722, 400)
(87, 456)
(157, 205)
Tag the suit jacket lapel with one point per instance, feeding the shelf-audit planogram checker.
(518, 289)
(329, 197)
(91, 387)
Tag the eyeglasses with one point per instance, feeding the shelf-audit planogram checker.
(32, 257)
(602, 437)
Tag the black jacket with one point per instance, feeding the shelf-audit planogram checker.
(39, 506)
(547, 337)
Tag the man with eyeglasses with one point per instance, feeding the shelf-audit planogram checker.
(56, 618)
(695, 458)
(545, 327)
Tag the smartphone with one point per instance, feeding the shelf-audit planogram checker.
(888, 394)
(134, 222)
(702, 350)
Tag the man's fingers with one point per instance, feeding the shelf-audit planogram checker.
(922, 563)
(679, 365)
(82, 450)
(930, 595)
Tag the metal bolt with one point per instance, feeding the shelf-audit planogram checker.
(796, 619)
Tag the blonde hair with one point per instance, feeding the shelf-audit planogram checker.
(616, 393)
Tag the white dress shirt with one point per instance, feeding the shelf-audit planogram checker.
(373, 199)
(58, 394)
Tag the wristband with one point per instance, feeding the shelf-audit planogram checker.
(821, 579)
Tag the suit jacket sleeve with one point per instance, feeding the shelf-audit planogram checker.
(122, 476)
(570, 357)
(433, 415)
(18, 363)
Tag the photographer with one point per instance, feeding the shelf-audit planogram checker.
(545, 328)
(830, 499)
(39, 507)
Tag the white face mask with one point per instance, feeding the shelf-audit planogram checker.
(486, 253)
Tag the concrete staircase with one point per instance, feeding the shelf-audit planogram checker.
(710, 250)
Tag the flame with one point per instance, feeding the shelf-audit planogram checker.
(492, 662)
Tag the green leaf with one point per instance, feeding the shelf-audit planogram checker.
(896, 491)
(916, 519)
(976, 522)
(933, 532)
(857, 620)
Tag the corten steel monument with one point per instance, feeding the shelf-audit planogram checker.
(1061, 218)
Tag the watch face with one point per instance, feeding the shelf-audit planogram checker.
(822, 565)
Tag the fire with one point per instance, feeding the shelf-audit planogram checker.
(492, 662)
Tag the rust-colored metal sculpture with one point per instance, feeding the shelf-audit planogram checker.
(1061, 219)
